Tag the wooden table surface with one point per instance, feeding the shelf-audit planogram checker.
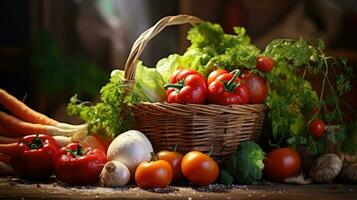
(13, 188)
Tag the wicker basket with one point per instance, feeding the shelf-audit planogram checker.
(192, 126)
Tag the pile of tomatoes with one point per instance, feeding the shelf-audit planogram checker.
(221, 87)
(37, 157)
(170, 166)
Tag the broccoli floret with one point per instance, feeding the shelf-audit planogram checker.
(249, 163)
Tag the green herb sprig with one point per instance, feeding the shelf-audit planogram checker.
(291, 97)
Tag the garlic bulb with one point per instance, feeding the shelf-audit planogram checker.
(114, 174)
(325, 168)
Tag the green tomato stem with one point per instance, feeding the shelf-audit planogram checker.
(178, 86)
(36, 143)
(231, 84)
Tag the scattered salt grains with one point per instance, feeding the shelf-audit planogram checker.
(189, 198)
(249, 195)
(228, 197)
(264, 195)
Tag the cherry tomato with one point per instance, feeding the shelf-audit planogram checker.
(265, 63)
(257, 87)
(199, 168)
(317, 128)
(174, 159)
(213, 75)
(154, 174)
(282, 163)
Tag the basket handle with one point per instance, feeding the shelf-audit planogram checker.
(144, 38)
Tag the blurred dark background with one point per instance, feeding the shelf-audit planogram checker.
(51, 49)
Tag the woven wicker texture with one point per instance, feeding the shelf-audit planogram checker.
(191, 126)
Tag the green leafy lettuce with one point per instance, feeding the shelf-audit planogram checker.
(211, 48)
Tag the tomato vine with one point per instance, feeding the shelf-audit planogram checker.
(292, 98)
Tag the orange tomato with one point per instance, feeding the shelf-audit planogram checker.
(97, 140)
(199, 168)
(174, 159)
(94, 142)
(154, 174)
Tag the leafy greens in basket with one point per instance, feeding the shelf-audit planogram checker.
(290, 97)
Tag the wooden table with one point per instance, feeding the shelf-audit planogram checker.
(12, 188)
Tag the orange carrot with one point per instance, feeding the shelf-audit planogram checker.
(17, 125)
(7, 140)
(9, 133)
(5, 158)
(6, 132)
(8, 148)
(22, 111)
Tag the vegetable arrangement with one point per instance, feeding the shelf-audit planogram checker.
(216, 69)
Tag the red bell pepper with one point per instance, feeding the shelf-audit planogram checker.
(33, 156)
(227, 89)
(186, 86)
(78, 165)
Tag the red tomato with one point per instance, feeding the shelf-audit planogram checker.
(282, 163)
(317, 128)
(33, 156)
(265, 63)
(213, 75)
(227, 88)
(199, 168)
(154, 174)
(174, 159)
(77, 165)
(257, 87)
(186, 86)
